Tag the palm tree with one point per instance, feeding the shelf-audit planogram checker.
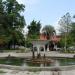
(48, 31)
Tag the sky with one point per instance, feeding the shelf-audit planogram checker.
(48, 12)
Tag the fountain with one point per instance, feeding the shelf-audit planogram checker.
(42, 60)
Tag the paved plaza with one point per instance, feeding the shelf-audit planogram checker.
(17, 72)
(29, 54)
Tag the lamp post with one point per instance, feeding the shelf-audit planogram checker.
(65, 41)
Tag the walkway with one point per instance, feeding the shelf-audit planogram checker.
(16, 72)
(29, 54)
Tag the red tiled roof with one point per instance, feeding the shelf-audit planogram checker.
(42, 37)
(54, 38)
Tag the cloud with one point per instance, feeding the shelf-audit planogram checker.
(21, 1)
(28, 2)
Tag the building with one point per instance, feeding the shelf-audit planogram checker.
(54, 38)
(44, 44)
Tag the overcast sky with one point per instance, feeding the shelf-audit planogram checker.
(48, 12)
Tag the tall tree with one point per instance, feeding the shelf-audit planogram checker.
(48, 31)
(34, 32)
(12, 21)
(65, 27)
(65, 23)
(34, 29)
(72, 31)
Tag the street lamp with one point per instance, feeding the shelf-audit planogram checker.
(65, 41)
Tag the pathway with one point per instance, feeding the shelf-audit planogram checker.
(16, 72)
(29, 54)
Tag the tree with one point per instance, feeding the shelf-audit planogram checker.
(65, 23)
(34, 30)
(12, 21)
(72, 31)
(65, 26)
(48, 31)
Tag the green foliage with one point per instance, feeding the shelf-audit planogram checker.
(72, 32)
(12, 23)
(48, 31)
(34, 30)
(69, 41)
(62, 42)
(65, 23)
(65, 29)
